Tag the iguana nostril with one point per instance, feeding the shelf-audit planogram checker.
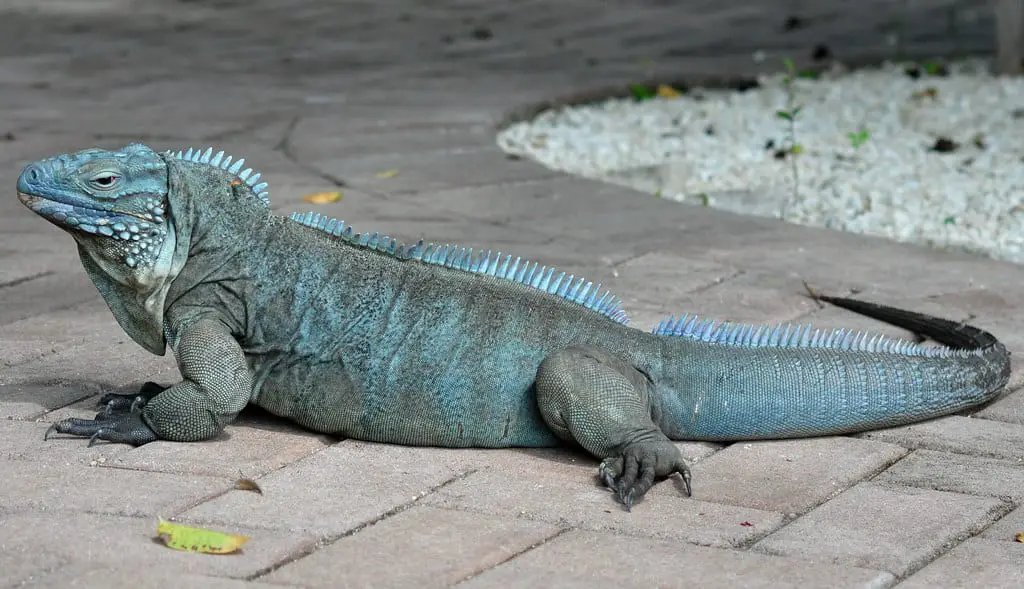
(30, 176)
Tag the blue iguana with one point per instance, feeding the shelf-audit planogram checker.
(357, 335)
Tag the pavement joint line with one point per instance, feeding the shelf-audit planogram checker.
(512, 556)
(498, 184)
(25, 279)
(727, 279)
(924, 445)
(1005, 508)
(331, 539)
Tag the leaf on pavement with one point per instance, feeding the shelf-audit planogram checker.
(387, 174)
(322, 198)
(1019, 537)
(666, 91)
(181, 537)
(248, 485)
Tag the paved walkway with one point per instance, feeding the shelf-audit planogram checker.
(318, 97)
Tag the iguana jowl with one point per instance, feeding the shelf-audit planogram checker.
(359, 336)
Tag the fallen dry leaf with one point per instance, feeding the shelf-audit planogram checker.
(322, 198)
(1019, 537)
(248, 485)
(666, 91)
(189, 539)
(387, 174)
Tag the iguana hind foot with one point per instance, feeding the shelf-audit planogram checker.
(603, 403)
(632, 473)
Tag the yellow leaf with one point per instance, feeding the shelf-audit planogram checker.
(322, 198)
(248, 485)
(387, 174)
(181, 537)
(666, 91)
(1019, 537)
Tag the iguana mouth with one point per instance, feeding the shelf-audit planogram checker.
(116, 224)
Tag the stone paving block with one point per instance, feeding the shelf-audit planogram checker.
(662, 276)
(44, 293)
(252, 446)
(885, 527)
(335, 490)
(959, 473)
(750, 298)
(82, 576)
(788, 476)
(552, 199)
(31, 400)
(432, 170)
(88, 325)
(17, 568)
(116, 542)
(23, 440)
(963, 435)
(1009, 409)
(1007, 528)
(587, 559)
(438, 548)
(212, 109)
(53, 381)
(53, 487)
(806, 251)
(976, 562)
(329, 137)
(516, 485)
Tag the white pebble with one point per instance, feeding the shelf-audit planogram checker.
(710, 146)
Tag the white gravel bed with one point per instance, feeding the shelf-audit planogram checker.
(719, 148)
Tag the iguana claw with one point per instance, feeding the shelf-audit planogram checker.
(114, 403)
(119, 422)
(632, 473)
(125, 428)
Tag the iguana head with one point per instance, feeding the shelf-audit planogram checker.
(112, 202)
(131, 212)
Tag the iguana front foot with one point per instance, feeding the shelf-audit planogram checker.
(632, 473)
(119, 422)
(114, 403)
(125, 428)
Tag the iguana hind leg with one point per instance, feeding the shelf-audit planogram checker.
(602, 403)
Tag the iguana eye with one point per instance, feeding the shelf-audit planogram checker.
(104, 179)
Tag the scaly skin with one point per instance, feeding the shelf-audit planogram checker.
(372, 340)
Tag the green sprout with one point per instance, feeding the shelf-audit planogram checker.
(641, 92)
(858, 137)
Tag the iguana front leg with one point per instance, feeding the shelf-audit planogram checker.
(602, 403)
(216, 385)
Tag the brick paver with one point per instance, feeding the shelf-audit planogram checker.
(322, 96)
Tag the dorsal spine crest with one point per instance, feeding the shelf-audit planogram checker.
(223, 162)
(788, 335)
(532, 274)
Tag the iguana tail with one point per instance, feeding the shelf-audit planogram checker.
(762, 382)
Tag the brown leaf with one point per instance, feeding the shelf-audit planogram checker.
(666, 91)
(248, 485)
(322, 198)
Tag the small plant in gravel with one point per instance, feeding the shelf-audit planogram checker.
(789, 115)
(858, 137)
